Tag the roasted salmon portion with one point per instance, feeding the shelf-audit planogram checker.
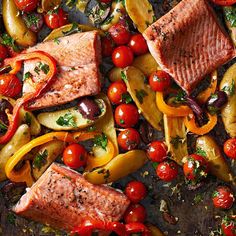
(63, 199)
(188, 42)
(78, 57)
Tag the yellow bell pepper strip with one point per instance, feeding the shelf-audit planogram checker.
(19, 155)
(191, 125)
(170, 110)
(96, 161)
(204, 95)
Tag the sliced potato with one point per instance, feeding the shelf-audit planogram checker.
(228, 113)
(218, 165)
(68, 119)
(141, 12)
(176, 137)
(146, 63)
(46, 155)
(115, 74)
(143, 96)
(48, 5)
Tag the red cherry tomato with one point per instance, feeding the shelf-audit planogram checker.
(3, 53)
(115, 92)
(126, 115)
(122, 56)
(120, 34)
(135, 213)
(56, 18)
(26, 5)
(159, 81)
(75, 156)
(223, 197)
(167, 170)
(224, 2)
(230, 148)
(195, 167)
(138, 44)
(157, 151)
(228, 225)
(10, 85)
(106, 1)
(135, 191)
(128, 139)
(107, 46)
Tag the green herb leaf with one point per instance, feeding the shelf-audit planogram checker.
(198, 198)
(126, 98)
(155, 164)
(100, 141)
(176, 141)
(27, 75)
(215, 194)
(40, 159)
(31, 20)
(74, 29)
(230, 90)
(28, 118)
(67, 120)
(3, 127)
(108, 20)
(201, 152)
(123, 76)
(140, 94)
(57, 41)
(71, 3)
(122, 121)
(7, 40)
(44, 67)
(180, 97)
(230, 15)
(11, 218)
(36, 70)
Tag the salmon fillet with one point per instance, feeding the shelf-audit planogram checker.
(63, 199)
(78, 57)
(188, 42)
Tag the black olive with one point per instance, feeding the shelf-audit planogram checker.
(89, 108)
(194, 106)
(146, 132)
(4, 104)
(2, 27)
(216, 101)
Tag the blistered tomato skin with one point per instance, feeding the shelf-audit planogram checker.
(223, 197)
(228, 225)
(128, 139)
(224, 2)
(157, 151)
(167, 170)
(135, 191)
(115, 92)
(135, 213)
(56, 18)
(230, 148)
(26, 5)
(159, 81)
(138, 44)
(120, 34)
(3, 53)
(122, 56)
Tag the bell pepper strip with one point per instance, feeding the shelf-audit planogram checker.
(96, 161)
(191, 125)
(16, 64)
(170, 110)
(204, 95)
(90, 225)
(136, 227)
(22, 176)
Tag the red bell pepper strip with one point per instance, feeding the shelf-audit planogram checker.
(16, 64)
(136, 227)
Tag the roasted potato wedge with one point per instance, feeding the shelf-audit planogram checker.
(69, 119)
(115, 74)
(143, 96)
(20, 138)
(228, 113)
(218, 166)
(119, 167)
(146, 63)
(47, 5)
(141, 13)
(15, 25)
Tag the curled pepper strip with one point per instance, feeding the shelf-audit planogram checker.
(170, 110)
(191, 125)
(16, 63)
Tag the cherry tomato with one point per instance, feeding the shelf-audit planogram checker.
(128, 139)
(230, 148)
(228, 225)
(10, 85)
(135, 191)
(157, 151)
(106, 1)
(224, 2)
(159, 81)
(167, 170)
(135, 213)
(122, 56)
(195, 167)
(75, 156)
(56, 19)
(107, 46)
(116, 91)
(138, 44)
(223, 197)
(3, 53)
(126, 115)
(26, 5)
(120, 34)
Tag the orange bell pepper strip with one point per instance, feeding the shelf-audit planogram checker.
(204, 95)
(24, 174)
(16, 63)
(191, 125)
(96, 161)
(170, 110)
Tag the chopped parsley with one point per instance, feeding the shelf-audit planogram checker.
(27, 75)
(67, 120)
(230, 90)
(126, 98)
(180, 97)
(155, 164)
(71, 3)
(201, 152)
(123, 76)
(3, 127)
(198, 198)
(32, 20)
(74, 29)
(7, 40)
(44, 67)
(215, 194)
(176, 141)
(108, 20)
(36, 70)
(230, 15)
(28, 118)
(122, 121)
(57, 41)
(100, 141)
(40, 159)
(140, 94)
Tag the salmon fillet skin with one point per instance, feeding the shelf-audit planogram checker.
(63, 199)
(78, 57)
(188, 42)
